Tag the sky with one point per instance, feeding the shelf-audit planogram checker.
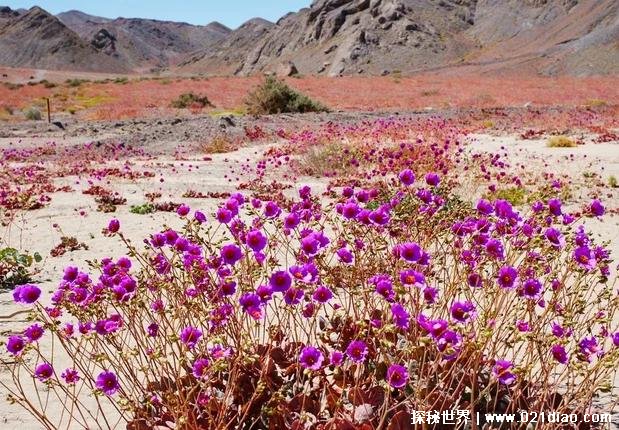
(231, 13)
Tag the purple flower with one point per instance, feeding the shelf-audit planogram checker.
(397, 376)
(256, 240)
(615, 338)
(430, 295)
(26, 294)
(70, 376)
(311, 358)
(559, 353)
(507, 277)
(34, 332)
(345, 256)
(485, 207)
(589, 346)
(15, 344)
(190, 336)
(271, 210)
(585, 257)
(410, 252)
(401, 317)
(432, 179)
(231, 253)
(494, 248)
(43, 372)
(200, 217)
(293, 296)
(448, 343)
(596, 208)
(531, 289)
(474, 280)
(199, 368)
(554, 206)
(407, 177)
(153, 329)
(107, 382)
(251, 303)
(291, 221)
(357, 350)
(555, 237)
(280, 281)
(224, 215)
(412, 277)
(183, 210)
(336, 358)
(113, 226)
(322, 294)
(502, 370)
(385, 289)
(463, 311)
(523, 326)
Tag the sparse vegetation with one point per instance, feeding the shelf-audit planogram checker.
(15, 267)
(275, 96)
(191, 100)
(32, 114)
(517, 196)
(143, 209)
(612, 182)
(560, 142)
(218, 145)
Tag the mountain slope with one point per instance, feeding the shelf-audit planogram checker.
(374, 36)
(143, 43)
(39, 40)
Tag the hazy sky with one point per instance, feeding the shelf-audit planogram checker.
(229, 12)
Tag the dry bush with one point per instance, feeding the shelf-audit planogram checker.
(191, 100)
(560, 142)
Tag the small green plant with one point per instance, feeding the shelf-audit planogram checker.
(15, 267)
(75, 82)
(275, 96)
(517, 196)
(191, 100)
(121, 80)
(560, 142)
(143, 209)
(47, 84)
(32, 114)
(612, 182)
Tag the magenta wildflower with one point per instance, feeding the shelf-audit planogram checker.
(199, 217)
(200, 367)
(190, 336)
(585, 257)
(113, 226)
(322, 294)
(432, 179)
(345, 256)
(272, 210)
(384, 287)
(231, 253)
(183, 210)
(15, 344)
(336, 358)
(397, 376)
(507, 277)
(401, 317)
(463, 311)
(554, 206)
(502, 371)
(596, 208)
(293, 296)
(485, 207)
(407, 177)
(559, 353)
(43, 372)
(256, 240)
(589, 346)
(107, 382)
(311, 358)
(70, 376)
(531, 289)
(411, 277)
(410, 252)
(26, 294)
(494, 248)
(430, 295)
(224, 215)
(280, 281)
(555, 237)
(615, 338)
(448, 343)
(474, 280)
(34, 333)
(357, 350)
(523, 326)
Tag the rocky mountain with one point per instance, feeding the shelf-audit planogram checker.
(36, 39)
(143, 43)
(336, 37)
(333, 37)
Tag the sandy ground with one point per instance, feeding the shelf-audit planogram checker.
(34, 231)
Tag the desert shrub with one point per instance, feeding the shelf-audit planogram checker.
(12, 86)
(191, 100)
(517, 196)
(275, 96)
(47, 84)
(16, 267)
(74, 83)
(219, 144)
(612, 182)
(121, 80)
(143, 209)
(331, 315)
(32, 114)
(560, 142)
